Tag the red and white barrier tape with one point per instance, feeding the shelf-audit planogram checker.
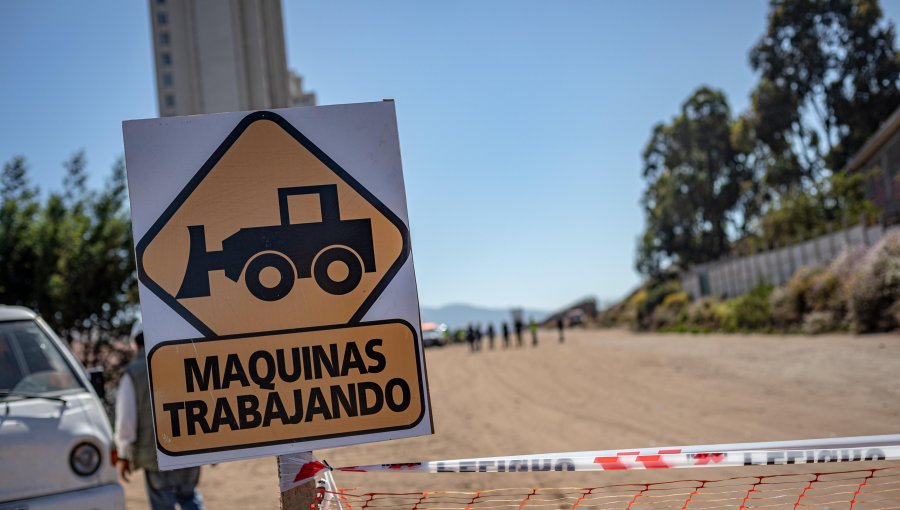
(298, 468)
(603, 461)
(850, 449)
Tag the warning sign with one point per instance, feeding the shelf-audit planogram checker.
(276, 283)
(271, 234)
(330, 381)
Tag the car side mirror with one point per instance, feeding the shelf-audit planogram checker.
(98, 381)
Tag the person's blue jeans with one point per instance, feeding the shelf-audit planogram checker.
(166, 488)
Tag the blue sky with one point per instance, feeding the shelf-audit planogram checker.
(521, 123)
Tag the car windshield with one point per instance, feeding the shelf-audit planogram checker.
(30, 362)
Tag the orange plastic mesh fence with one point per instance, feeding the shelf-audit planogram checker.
(868, 489)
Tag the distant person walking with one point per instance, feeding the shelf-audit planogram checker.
(490, 334)
(470, 337)
(505, 329)
(136, 443)
(533, 327)
(519, 327)
(478, 336)
(561, 325)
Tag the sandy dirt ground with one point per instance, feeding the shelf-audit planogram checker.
(610, 390)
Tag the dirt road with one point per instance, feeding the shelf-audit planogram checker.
(607, 390)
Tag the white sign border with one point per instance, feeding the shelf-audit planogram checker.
(164, 154)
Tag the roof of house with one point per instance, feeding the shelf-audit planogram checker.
(887, 129)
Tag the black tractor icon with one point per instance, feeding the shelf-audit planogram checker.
(293, 250)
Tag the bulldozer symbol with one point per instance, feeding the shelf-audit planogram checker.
(294, 251)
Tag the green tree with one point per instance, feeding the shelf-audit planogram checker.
(698, 186)
(18, 209)
(829, 77)
(69, 258)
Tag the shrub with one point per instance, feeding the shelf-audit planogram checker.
(724, 316)
(783, 312)
(623, 313)
(816, 290)
(676, 301)
(672, 310)
(830, 289)
(789, 304)
(751, 311)
(826, 293)
(702, 315)
(656, 294)
(847, 263)
(819, 322)
(876, 287)
(629, 314)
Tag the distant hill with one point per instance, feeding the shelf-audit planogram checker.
(459, 315)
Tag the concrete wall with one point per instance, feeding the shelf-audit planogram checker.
(735, 276)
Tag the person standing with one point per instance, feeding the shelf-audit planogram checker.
(519, 327)
(505, 329)
(560, 325)
(136, 442)
(490, 334)
(533, 327)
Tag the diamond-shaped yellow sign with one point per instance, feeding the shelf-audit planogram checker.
(271, 234)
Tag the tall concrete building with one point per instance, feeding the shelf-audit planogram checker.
(299, 97)
(221, 55)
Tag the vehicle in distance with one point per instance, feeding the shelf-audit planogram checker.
(574, 317)
(433, 334)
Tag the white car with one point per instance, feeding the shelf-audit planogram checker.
(55, 438)
(434, 335)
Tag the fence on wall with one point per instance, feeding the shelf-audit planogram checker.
(734, 276)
